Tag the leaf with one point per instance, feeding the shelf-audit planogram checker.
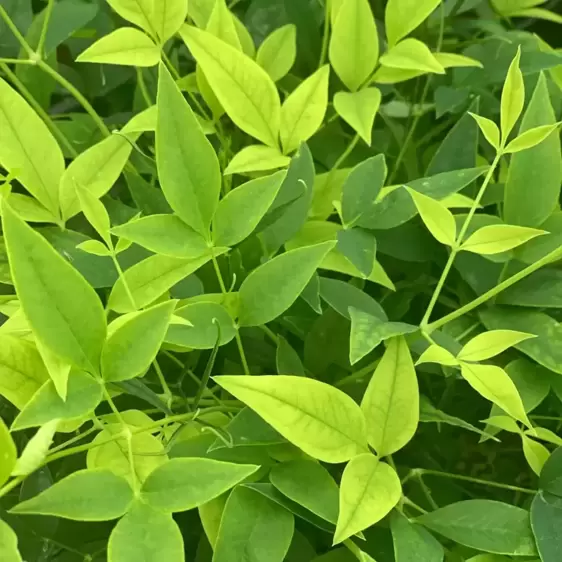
(513, 97)
(253, 529)
(535, 454)
(30, 210)
(485, 525)
(304, 109)
(188, 167)
(369, 489)
(277, 54)
(319, 419)
(489, 344)
(551, 474)
(134, 342)
(546, 518)
(412, 543)
(244, 89)
(256, 158)
(530, 138)
(63, 310)
(145, 534)
(403, 16)
(287, 360)
(391, 402)
(436, 217)
(273, 287)
(8, 454)
(437, 354)
(358, 110)
(95, 247)
(221, 24)
(96, 214)
(126, 45)
(167, 17)
(136, 11)
(36, 450)
(28, 150)
(494, 384)
(8, 544)
(85, 495)
(412, 54)
(359, 246)
(498, 238)
(453, 60)
(489, 129)
(240, 211)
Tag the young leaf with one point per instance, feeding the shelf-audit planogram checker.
(221, 24)
(391, 402)
(359, 246)
(244, 89)
(489, 129)
(436, 217)
(30, 210)
(437, 354)
(273, 287)
(304, 109)
(135, 11)
(36, 450)
(239, 213)
(403, 16)
(256, 158)
(513, 97)
(535, 453)
(277, 54)
(358, 110)
(412, 54)
(63, 310)
(95, 247)
(530, 138)
(412, 542)
(167, 17)
(8, 544)
(126, 45)
(453, 60)
(96, 213)
(183, 484)
(188, 167)
(85, 495)
(498, 238)
(369, 489)
(8, 453)
(354, 44)
(319, 419)
(492, 343)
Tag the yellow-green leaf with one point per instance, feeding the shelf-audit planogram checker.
(167, 16)
(30, 210)
(403, 16)
(36, 450)
(535, 453)
(437, 354)
(358, 110)
(245, 37)
(452, 60)
(489, 344)
(412, 54)
(256, 158)
(530, 138)
(96, 213)
(138, 12)
(8, 544)
(221, 24)
(277, 54)
(8, 454)
(489, 129)
(513, 97)
(386, 75)
(498, 238)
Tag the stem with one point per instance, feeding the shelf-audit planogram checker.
(123, 280)
(408, 501)
(143, 88)
(45, 28)
(75, 439)
(165, 388)
(271, 334)
(11, 485)
(326, 34)
(12, 27)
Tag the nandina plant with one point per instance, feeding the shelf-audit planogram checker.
(284, 285)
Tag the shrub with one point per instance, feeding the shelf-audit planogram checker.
(296, 303)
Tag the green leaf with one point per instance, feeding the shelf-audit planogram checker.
(239, 213)
(436, 217)
(85, 495)
(183, 484)
(535, 453)
(167, 17)
(403, 16)
(277, 54)
(513, 97)
(63, 310)
(412, 543)
(489, 344)
(319, 419)
(359, 246)
(256, 158)
(126, 45)
(369, 490)
(95, 247)
(304, 109)
(489, 129)
(253, 529)
(133, 342)
(145, 534)
(188, 167)
(411, 54)
(437, 354)
(8, 544)
(36, 450)
(287, 360)
(546, 518)
(8, 453)
(30, 210)
(453, 60)
(83, 396)
(273, 287)
(96, 213)
(28, 150)
(354, 44)
(391, 402)
(498, 238)
(221, 24)
(244, 89)
(551, 475)
(530, 138)
(163, 234)
(135, 11)
(494, 384)
(358, 110)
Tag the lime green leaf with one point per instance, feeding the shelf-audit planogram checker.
(273, 287)
(210, 514)
(385, 75)
(354, 44)
(359, 246)
(142, 122)
(304, 109)
(164, 234)
(489, 344)
(358, 110)
(134, 342)
(498, 238)
(183, 484)
(437, 354)
(240, 212)
(94, 247)
(391, 402)
(8, 544)
(221, 24)
(369, 490)
(403, 16)
(277, 54)
(412, 541)
(535, 454)
(188, 167)
(256, 158)
(138, 12)
(167, 17)
(28, 150)
(494, 384)
(30, 210)
(95, 212)
(412, 54)
(316, 417)
(503, 422)
(513, 97)
(63, 310)
(452, 60)
(545, 435)
(85, 495)
(8, 453)
(538, 13)
(126, 45)
(530, 138)
(244, 89)
(436, 217)
(245, 37)
(36, 450)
